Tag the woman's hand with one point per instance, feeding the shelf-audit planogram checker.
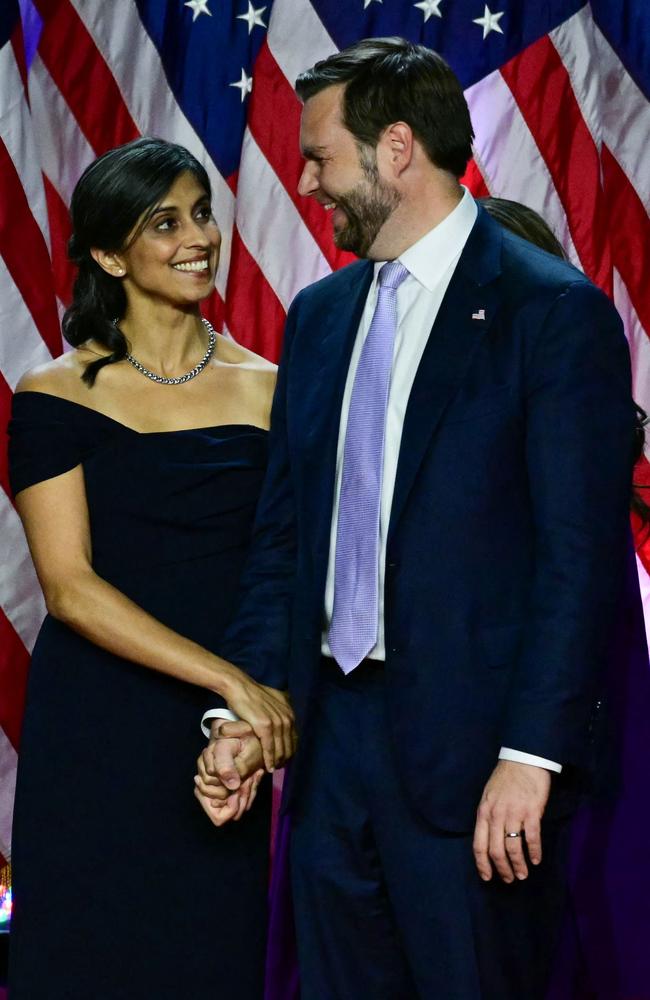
(228, 776)
(221, 811)
(268, 713)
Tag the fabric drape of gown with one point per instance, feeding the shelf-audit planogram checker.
(123, 888)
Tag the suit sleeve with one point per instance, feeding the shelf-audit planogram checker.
(258, 638)
(579, 455)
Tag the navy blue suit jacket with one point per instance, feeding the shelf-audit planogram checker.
(507, 536)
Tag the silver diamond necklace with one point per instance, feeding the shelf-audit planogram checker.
(161, 380)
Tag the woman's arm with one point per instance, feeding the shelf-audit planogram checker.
(56, 521)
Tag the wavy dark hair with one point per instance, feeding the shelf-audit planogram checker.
(116, 191)
(525, 222)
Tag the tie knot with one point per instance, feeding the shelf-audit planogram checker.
(392, 274)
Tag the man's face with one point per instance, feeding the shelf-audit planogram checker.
(343, 177)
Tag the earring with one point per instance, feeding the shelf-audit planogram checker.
(119, 272)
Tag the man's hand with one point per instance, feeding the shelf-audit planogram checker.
(229, 771)
(233, 754)
(513, 801)
(233, 807)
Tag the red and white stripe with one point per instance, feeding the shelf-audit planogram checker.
(98, 81)
(30, 336)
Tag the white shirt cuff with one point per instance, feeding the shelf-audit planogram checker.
(217, 713)
(529, 758)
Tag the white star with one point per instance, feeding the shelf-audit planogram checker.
(489, 22)
(429, 8)
(253, 17)
(198, 7)
(366, 3)
(245, 85)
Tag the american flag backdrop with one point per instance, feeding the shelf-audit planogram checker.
(558, 93)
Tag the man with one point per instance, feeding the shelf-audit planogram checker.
(450, 464)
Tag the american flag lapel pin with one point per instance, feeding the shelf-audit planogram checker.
(479, 314)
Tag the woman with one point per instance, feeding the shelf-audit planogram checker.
(136, 460)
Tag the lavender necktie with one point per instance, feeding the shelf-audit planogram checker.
(353, 628)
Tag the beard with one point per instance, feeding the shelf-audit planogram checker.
(367, 206)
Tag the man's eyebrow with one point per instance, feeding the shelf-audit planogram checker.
(313, 152)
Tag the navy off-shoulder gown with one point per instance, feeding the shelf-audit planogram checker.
(123, 888)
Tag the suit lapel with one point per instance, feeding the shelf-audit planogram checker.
(340, 321)
(320, 405)
(464, 318)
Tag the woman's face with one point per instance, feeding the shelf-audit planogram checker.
(176, 255)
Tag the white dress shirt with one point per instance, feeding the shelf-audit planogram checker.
(431, 263)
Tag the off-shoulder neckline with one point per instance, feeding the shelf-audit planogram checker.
(133, 430)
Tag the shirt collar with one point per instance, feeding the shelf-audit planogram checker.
(429, 258)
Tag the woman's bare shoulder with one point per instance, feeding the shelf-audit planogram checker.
(59, 377)
(232, 353)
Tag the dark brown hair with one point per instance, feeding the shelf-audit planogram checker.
(524, 222)
(389, 80)
(113, 193)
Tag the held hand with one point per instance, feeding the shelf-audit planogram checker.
(226, 727)
(248, 759)
(220, 803)
(513, 802)
(235, 805)
(217, 775)
(269, 714)
(226, 762)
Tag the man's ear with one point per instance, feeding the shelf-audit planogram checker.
(397, 144)
(109, 261)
